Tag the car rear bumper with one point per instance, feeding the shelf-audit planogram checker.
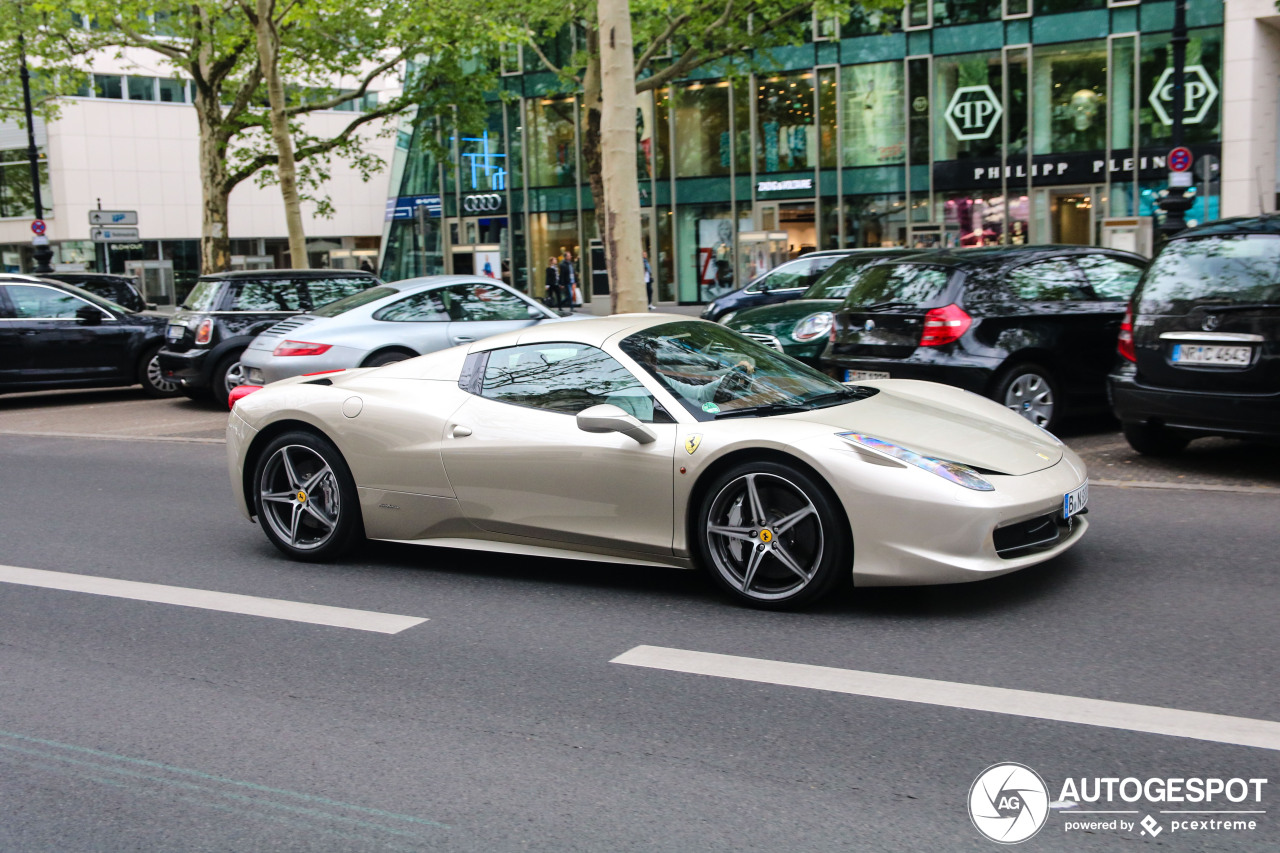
(1210, 413)
(190, 368)
(262, 367)
(973, 374)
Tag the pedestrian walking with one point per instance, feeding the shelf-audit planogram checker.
(569, 277)
(648, 279)
(554, 296)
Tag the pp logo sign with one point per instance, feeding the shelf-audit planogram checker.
(1198, 89)
(1008, 803)
(973, 112)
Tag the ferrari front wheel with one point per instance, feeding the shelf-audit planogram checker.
(305, 497)
(772, 536)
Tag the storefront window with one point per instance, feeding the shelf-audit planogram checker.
(1054, 7)
(482, 163)
(553, 234)
(875, 221)
(1203, 83)
(964, 12)
(827, 149)
(16, 199)
(786, 136)
(414, 248)
(968, 109)
(980, 220)
(702, 128)
(1070, 97)
(874, 116)
(551, 142)
(515, 142)
(706, 236)
(421, 167)
(918, 123)
(662, 132)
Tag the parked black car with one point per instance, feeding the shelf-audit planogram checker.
(116, 288)
(1032, 327)
(783, 282)
(1200, 346)
(55, 335)
(224, 312)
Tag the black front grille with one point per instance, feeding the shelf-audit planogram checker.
(1028, 537)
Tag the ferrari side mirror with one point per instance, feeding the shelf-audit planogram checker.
(609, 418)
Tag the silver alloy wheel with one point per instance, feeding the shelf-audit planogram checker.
(155, 377)
(300, 497)
(234, 377)
(1029, 395)
(765, 536)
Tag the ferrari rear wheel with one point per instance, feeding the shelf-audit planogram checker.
(305, 498)
(772, 536)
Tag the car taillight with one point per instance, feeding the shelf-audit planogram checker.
(1124, 345)
(301, 348)
(944, 325)
(240, 391)
(204, 332)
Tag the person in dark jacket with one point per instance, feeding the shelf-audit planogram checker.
(568, 276)
(554, 296)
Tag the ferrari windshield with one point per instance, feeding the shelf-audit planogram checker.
(715, 372)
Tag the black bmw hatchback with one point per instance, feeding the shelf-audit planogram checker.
(1032, 327)
(1200, 348)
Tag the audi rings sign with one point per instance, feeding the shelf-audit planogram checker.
(483, 203)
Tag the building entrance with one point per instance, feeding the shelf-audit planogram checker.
(1066, 215)
(479, 246)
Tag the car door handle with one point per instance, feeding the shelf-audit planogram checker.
(462, 339)
(460, 431)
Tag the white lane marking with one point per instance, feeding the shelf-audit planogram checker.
(1219, 728)
(227, 602)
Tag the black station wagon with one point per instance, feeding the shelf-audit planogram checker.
(224, 312)
(1032, 327)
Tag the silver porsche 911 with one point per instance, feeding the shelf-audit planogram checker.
(657, 440)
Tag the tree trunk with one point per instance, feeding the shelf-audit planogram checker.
(215, 240)
(268, 39)
(591, 158)
(621, 186)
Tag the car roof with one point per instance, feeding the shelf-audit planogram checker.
(1268, 223)
(1004, 256)
(86, 276)
(249, 275)
(594, 332)
(435, 280)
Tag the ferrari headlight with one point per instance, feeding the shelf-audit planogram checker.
(813, 326)
(961, 475)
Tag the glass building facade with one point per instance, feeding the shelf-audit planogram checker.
(959, 124)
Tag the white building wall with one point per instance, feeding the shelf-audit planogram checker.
(1251, 100)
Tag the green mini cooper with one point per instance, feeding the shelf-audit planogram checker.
(799, 328)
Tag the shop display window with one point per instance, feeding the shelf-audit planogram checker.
(1070, 99)
(552, 145)
(786, 135)
(702, 128)
(967, 105)
(874, 114)
(875, 221)
(971, 221)
(706, 238)
(946, 12)
(1203, 117)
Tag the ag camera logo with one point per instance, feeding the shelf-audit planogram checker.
(1008, 803)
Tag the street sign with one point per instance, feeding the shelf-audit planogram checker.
(113, 217)
(1179, 179)
(113, 235)
(1179, 159)
(38, 227)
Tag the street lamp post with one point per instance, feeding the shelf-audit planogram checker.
(40, 250)
(1175, 203)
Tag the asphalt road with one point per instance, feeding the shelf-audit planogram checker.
(500, 724)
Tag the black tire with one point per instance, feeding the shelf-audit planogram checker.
(1154, 439)
(389, 357)
(1030, 390)
(305, 498)
(227, 374)
(152, 379)
(803, 562)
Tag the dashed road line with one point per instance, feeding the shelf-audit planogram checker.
(1218, 728)
(226, 602)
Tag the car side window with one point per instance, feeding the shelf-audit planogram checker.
(789, 275)
(322, 291)
(424, 307)
(566, 377)
(473, 301)
(1053, 280)
(32, 302)
(1110, 278)
(268, 295)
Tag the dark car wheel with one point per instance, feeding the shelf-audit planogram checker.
(227, 375)
(1154, 439)
(1031, 391)
(152, 378)
(305, 498)
(385, 358)
(772, 536)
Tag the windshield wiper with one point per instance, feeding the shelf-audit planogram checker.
(773, 408)
(844, 394)
(879, 306)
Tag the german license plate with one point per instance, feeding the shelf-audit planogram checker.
(863, 375)
(175, 333)
(1211, 354)
(1075, 500)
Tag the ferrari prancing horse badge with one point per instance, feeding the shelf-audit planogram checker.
(691, 443)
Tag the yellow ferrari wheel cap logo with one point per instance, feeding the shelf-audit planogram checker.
(766, 536)
(302, 497)
(691, 443)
